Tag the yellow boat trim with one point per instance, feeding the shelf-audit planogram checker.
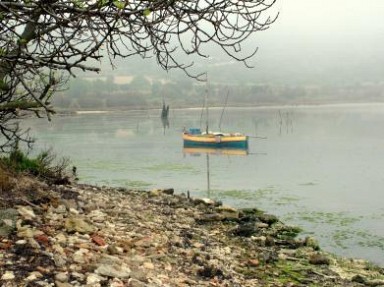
(210, 138)
(216, 151)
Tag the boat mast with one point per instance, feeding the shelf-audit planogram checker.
(222, 113)
(206, 103)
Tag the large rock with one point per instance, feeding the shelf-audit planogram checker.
(73, 224)
(116, 271)
(245, 230)
(26, 212)
(319, 259)
(97, 215)
(8, 219)
(113, 266)
(8, 275)
(268, 218)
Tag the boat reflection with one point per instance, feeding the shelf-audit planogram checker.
(198, 151)
(214, 151)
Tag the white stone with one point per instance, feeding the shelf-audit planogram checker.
(25, 232)
(97, 215)
(8, 275)
(61, 209)
(33, 276)
(227, 250)
(93, 279)
(78, 276)
(58, 249)
(262, 225)
(204, 200)
(80, 256)
(74, 211)
(61, 238)
(148, 265)
(26, 212)
(74, 267)
(62, 276)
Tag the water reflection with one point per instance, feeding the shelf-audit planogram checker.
(164, 116)
(285, 119)
(207, 151)
(197, 151)
(165, 123)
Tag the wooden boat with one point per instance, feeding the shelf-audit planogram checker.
(196, 138)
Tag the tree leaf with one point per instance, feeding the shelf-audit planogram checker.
(3, 86)
(102, 3)
(78, 3)
(147, 12)
(119, 4)
(23, 41)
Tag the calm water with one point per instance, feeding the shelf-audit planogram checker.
(321, 168)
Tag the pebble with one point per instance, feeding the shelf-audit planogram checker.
(26, 212)
(116, 238)
(94, 279)
(8, 275)
(62, 277)
(148, 265)
(33, 276)
(21, 242)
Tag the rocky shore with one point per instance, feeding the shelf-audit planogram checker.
(80, 235)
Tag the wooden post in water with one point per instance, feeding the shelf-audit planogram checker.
(208, 178)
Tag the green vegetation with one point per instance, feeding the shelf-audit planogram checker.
(136, 184)
(45, 166)
(268, 193)
(236, 193)
(171, 167)
(307, 184)
(291, 272)
(331, 218)
(344, 228)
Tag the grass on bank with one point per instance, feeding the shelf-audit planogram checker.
(45, 166)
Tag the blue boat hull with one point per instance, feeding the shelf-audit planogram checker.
(233, 144)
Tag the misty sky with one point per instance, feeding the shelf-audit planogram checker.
(324, 34)
(330, 20)
(313, 41)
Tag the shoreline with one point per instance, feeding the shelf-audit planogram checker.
(85, 235)
(265, 106)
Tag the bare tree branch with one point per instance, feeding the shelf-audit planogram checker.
(43, 42)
